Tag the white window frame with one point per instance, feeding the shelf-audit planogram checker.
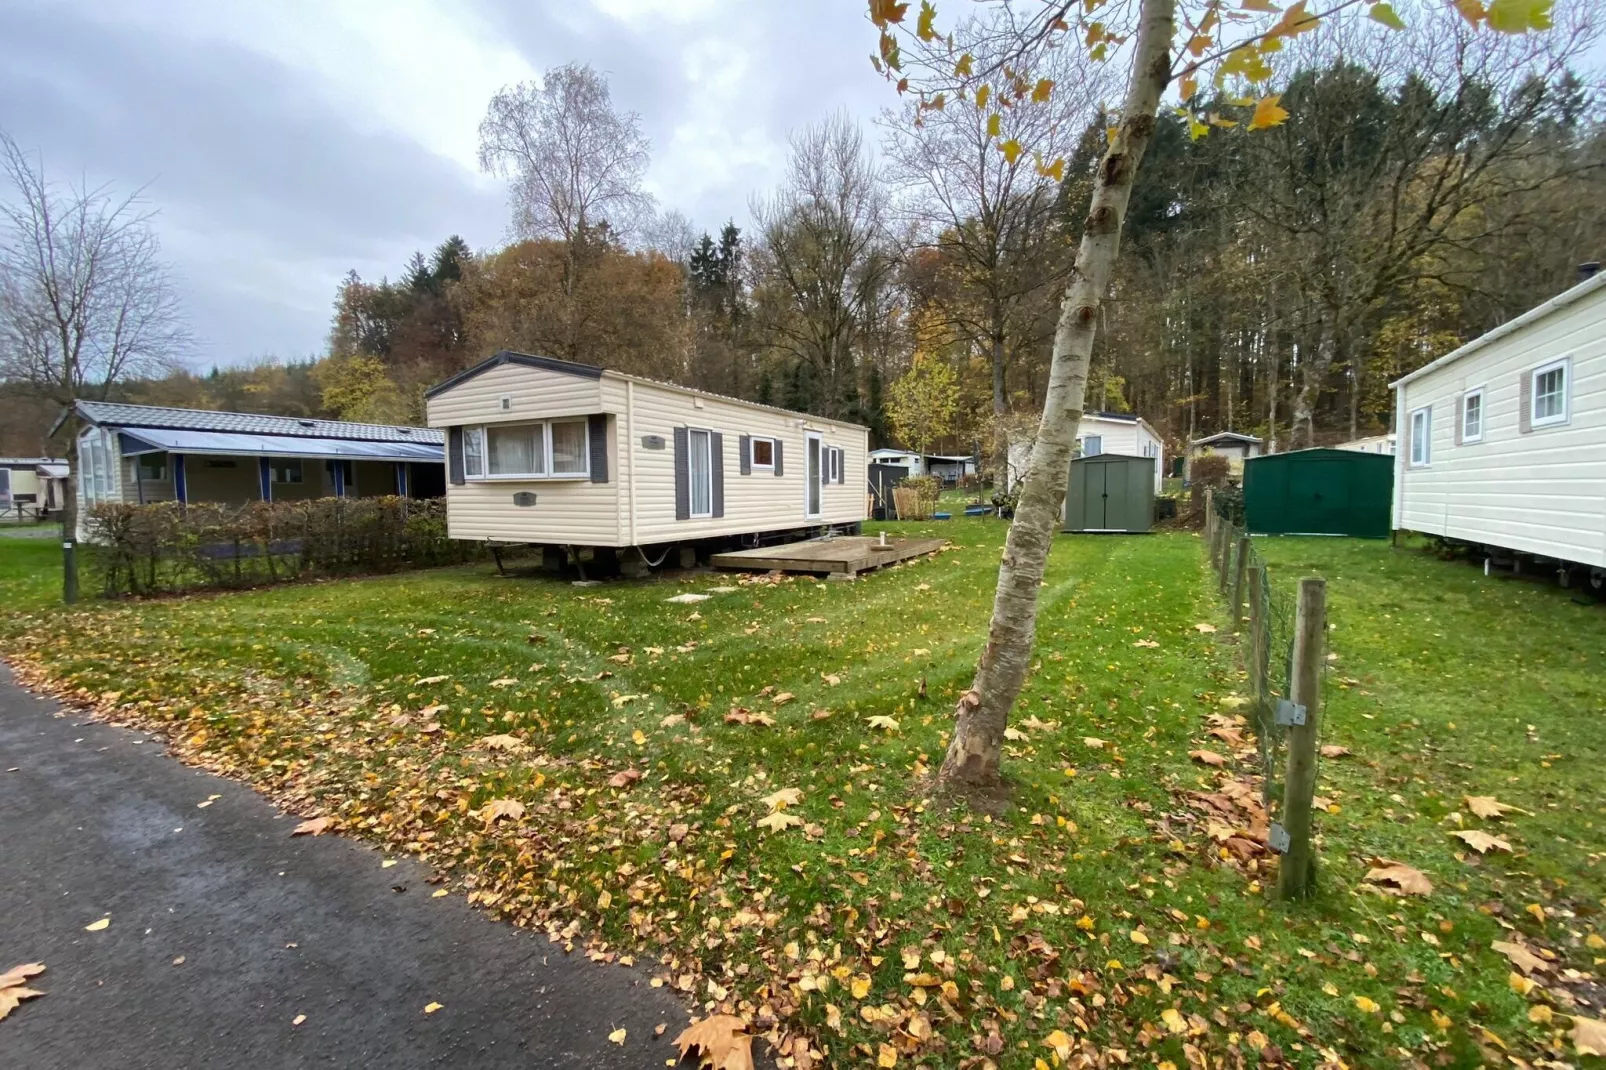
(478, 454)
(1564, 365)
(752, 458)
(1425, 439)
(834, 468)
(1099, 439)
(1483, 413)
(691, 474)
(818, 483)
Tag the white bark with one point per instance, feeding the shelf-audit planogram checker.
(983, 712)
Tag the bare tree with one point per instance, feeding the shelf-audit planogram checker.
(574, 162)
(825, 253)
(992, 216)
(86, 300)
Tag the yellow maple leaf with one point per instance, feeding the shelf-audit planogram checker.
(783, 798)
(1518, 16)
(617, 1036)
(984, 93)
(1366, 1005)
(860, 986)
(1042, 91)
(885, 11)
(779, 821)
(1268, 113)
(925, 25)
(962, 69)
(1060, 1042)
(1386, 14)
(1173, 1020)
(995, 123)
(1589, 1036)
(1471, 10)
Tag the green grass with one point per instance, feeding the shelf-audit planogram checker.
(317, 694)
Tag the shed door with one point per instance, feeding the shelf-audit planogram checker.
(1095, 502)
(1323, 496)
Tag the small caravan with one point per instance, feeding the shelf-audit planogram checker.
(556, 453)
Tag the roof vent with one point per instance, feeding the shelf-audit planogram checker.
(404, 430)
(1587, 269)
(308, 423)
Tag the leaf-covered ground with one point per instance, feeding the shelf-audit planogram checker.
(736, 787)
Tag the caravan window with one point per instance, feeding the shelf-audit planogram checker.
(701, 472)
(1421, 431)
(1092, 445)
(1471, 416)
(550, 449)
(762, 453)
(1550, 394)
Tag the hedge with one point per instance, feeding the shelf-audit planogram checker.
(168, 547)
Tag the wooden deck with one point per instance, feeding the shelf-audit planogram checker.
(845, 554)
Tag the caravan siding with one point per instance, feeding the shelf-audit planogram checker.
(637, 505)
(1540, 491)
(1129, 438)
(761, 501)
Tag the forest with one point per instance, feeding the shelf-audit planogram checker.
(907, 275)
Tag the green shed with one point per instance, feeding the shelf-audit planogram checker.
(1110, 492)
(1319, 492)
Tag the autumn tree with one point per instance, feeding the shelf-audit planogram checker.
(825, 259)
(922, 402)
(86, 300)
(991, 216)
(1231, 44)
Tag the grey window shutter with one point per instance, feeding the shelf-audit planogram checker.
(841, 465)
(1460, 416)
(744, 452)
(1525, 402)
(716, 449)
(682, 476)
(779, 469)
(454, 456)
(597, 431)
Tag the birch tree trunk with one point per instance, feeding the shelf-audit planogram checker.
(983, 712)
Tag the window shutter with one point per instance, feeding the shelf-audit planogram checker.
(744, 454)
(779, 470)
(454, 456)
(1525, 402)
(1460, 416)
(682, 476)
(716, 449)
(597, 430)
(841, 465)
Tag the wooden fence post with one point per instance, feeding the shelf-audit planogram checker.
(1296, 876)
(1210, 516)
(1238, 577)
(1224, 566)
(1257, 659)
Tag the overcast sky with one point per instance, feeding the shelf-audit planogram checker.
(288, 142)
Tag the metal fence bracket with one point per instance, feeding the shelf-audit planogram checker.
(1290, 713)
(1277, 838)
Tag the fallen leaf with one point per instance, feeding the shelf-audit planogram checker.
(1406, 880)
(1174, 1022)
(779, 821)
(298, 1019)
(783, 798)
(1366, 1005)
(1333, 750)
(782, 699)
(315, 826)
(18, 974)
(1589, 1036)
(624, 778)
(883, 721)
(721, 1039)
(1146, 643)
(431, 1008)
(1205, 628)
(1093, 742)
(1488, 806)
(1480, 841)
(617, 1036)
(1208, 757)
(498, 808)
(886, 1054)
(97, 926)
(1522, 958)
(427, 680)
(503, 742)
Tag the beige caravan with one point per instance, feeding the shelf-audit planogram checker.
(556, 453)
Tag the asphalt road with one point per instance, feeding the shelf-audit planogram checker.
(97, 821)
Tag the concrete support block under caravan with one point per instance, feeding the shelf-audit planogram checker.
(552, 452)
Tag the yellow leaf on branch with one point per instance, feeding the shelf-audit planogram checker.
(1268, 113)
(1386, 14)
(1518, 16)
(1042, 90)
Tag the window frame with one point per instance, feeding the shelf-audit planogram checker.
(477, 452)
(1093, 438)
(141, 468)
(833, 470)
(752, 456)
(287, 465)
(691, 473)
(1483, 409)
(1425, 438)
(1563, 365)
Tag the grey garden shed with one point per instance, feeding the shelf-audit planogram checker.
(1110, 492)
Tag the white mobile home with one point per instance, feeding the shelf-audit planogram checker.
(556, 453)
(1503, 441)
(1121, 433)
(1229, 444)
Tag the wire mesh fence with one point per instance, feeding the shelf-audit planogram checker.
(1266, 616)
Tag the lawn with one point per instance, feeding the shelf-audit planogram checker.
(736, 787)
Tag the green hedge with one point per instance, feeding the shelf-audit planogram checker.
(168, 547)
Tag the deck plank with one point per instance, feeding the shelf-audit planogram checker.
(845, 554)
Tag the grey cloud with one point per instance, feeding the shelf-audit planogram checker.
(243, 158)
